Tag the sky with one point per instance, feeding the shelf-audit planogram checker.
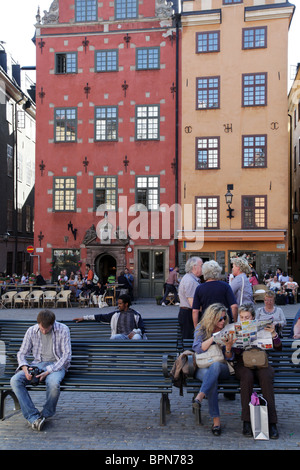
(17, 20)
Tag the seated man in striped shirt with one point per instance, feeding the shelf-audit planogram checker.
(49, 343)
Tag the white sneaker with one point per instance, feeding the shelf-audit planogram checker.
(177, 303)
(38, 424)
(163, 304)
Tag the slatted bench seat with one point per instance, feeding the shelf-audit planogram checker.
(109, 366)
(156, 328)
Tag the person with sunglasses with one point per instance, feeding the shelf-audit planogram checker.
(213, 320)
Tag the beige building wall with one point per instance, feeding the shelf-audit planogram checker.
(231, 120)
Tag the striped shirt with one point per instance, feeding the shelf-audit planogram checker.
(32, 345)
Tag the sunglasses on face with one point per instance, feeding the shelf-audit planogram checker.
(223, 318)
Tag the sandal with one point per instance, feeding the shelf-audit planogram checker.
(216, 430)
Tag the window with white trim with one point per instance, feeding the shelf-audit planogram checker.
(126, 9)
(64, 194)
(86, 10)
(105, 192)
(147, 191)
(207, 153)
(147, 122)
(207, 212)
(106, 123)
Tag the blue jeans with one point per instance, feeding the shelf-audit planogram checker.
(209, 378)
(18, 384)
(125, 337)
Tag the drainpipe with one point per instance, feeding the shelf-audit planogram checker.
(290, 248)
(177, 23)
(15, 173)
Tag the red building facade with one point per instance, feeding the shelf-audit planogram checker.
(105, 147)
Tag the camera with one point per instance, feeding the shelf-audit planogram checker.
(34, 371)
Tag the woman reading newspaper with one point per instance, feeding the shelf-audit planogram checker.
(214, 319)
(264, 376)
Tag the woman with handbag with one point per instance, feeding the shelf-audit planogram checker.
(214, 319)
(263, 374)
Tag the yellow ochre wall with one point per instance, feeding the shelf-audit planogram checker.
(230, 63)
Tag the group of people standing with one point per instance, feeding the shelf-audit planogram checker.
(205, 308)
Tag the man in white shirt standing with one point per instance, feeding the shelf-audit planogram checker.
(187, 287)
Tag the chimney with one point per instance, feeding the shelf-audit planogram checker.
(16, 73)
(3, 60)
(31, 92)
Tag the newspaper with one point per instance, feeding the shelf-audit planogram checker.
(247, 334)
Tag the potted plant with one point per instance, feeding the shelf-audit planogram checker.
(32, 278)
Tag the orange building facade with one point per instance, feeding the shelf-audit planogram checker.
(105, 152)
(234, 137)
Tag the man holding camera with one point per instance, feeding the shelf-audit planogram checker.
(50, 345)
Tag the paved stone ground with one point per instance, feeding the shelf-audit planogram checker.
(100, 421)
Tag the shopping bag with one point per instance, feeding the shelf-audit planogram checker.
(259, 417)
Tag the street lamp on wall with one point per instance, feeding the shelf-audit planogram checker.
(228, 199)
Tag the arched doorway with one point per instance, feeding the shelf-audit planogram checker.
(105, 266)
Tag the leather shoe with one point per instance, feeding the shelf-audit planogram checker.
(247, 431)
(216, 430)
(273, 433)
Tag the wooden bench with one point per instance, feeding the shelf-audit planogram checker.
(156, 328)
(108, 366)
(286, 364)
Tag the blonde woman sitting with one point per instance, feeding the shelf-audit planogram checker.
(214, 319)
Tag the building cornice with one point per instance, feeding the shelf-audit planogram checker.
(269, 12)
(236, 235)
(163, 10)
(201, 17)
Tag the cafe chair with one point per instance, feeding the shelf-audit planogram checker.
(259, 291)
(49, 298)
(35, 298)
(21, 299)
(83, 300)
(8, 298)
(63, 298)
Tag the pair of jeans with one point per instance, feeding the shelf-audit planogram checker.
(170, 288)
(125, 337)
(18, 384)
(209, 378)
